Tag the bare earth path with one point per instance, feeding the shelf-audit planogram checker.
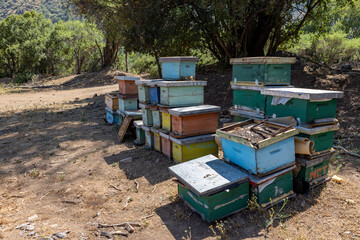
(61, 161)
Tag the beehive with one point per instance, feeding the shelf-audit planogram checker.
(176, 68)
(113, 117)
(156, 116)
(181, 93)
(111, 101)
(186, 149)
(259, 147)
(192, 121)
(165, 119)
(146, 114)
(140, 134)
(144, 89)
(211, 187)
(127, 85)
(262, 70)
(166, 145)
(128, 102)
(149, 137)
(307, 105)
(157, 139)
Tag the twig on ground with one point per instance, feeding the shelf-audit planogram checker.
(101, 225)
(119, 233)
(148, 216)
(127, 202)
(44, 196)
(137, 186)
(115, 187)
(347, 151)
(129, 228)
(153, 189)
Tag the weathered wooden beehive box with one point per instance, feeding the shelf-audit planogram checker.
(192, 121)
(262, 70)
(272, 189)
(140, 134)
(323, 136)
(113, 117)
(259, 147)
(111, 101)
(165, 119)
(307, 105)
(176, 68)
(128, 102)
(166, 145)
(146, 114)
(149, 137)
(186, 149)
(181, 93)
(211, 187)
(157, 139)
(156, 116)
(154, 95)
(144, 89)
(127, 85)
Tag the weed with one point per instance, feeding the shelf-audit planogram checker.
(253, 205)
(145, 223)
(220, 231)
(61, 177)
(74, 161)
(277, 216)
(105, 151)
(115, 164)
(338, 168)
(34, 173)
(187, 235)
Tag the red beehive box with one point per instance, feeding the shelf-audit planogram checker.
(166, 144)
(127, 85)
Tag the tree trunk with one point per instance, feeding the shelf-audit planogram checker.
(126, 62)
(157, 62)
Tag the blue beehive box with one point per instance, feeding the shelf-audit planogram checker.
(154, 95)
(177, 68)
(113, 117)
(259, 147)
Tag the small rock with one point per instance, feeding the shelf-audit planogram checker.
(22, 226)
(33, 218)
(105, 234)
(302, 204)
(32, 233)
(48, 238)
(30, 227)
(61, 235)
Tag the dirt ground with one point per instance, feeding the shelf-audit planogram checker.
(61, 161)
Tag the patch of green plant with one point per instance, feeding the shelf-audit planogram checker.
(23, 78)
(280, 215)
(253, 205)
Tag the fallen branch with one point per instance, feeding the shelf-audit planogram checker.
(44, 196)
(100, 225)
(127, 202)
(137, 186)
(129, 228)
(115, 187)
(347, 151)
(148, 216)
(153, 189)
(119, 233)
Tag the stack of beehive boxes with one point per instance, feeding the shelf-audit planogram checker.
(173, 112)
(315, 112)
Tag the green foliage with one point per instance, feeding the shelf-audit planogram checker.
(23, 77)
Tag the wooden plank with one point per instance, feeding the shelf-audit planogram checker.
(263, 60)
(303, 93)
(187, 111)
(123, 128)
(254, 88)
(181, 83)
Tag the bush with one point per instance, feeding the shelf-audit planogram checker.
(24, 77)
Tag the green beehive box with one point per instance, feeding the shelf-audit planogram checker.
(273, 188)
(140, 134)
(212, 187)
(305, 105)
(156, 116)
(143, 89)
(242, 115)
(323, 137)
(181, 93)
(146, 115)
(262, 70)
(127, 102)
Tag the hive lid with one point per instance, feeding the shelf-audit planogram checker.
(207, 175)
(181, 83)
(135, 114)
(138, 123)
(143, 105)
(164, 135)
(150, 82)
(256, 88)
(247, 114)
(257, 180)
(179, 59)
(194, 110)
(191, 140)
(303, 93)
(145, 128)
(112, 94)
(155, 130)
(263, 60)
(317, 130)
(127, 78)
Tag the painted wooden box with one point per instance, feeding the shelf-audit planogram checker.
(193, 147)
(259, 147)
(192, 121)
(165, 119)
(154, 95)
(149, 137)
(133, 114)
(306, 105)
(262, 70)
(111, 101)
(127, 85)
(146, 114)
(144, 89)
(113, 117)
(242, 115)
(128, 102)
(140, 134)
(166, 145)
(157, 139)
(211, 187)
(176, 68)
(181, 93)
(272, 189)
(323, 136)
(156, 116)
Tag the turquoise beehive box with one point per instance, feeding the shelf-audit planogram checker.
(259, 147)
(144, 89)
(262, 70)
(305, 105)
(146, 115)
(177, 68)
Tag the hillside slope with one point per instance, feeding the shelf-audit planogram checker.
(56, 10)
